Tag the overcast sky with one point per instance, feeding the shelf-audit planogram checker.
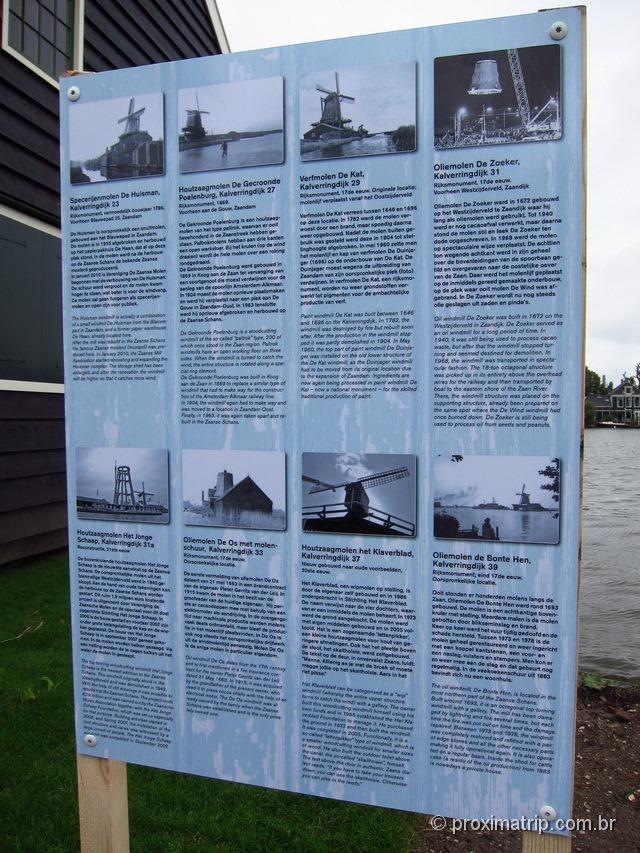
(613, 303)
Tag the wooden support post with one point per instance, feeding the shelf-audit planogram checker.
(534, 842)
(102, 803)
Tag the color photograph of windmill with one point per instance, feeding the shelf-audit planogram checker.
(231, 125)
(234, 488)
(122, 484)
(357, 112)
(503, 96)
(116, 138)
(364, 494)
(497, 498)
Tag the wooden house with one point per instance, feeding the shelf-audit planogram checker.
(228, 500)
(40, 40)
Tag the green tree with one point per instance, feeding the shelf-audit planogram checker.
(593, 384)
(589, 413)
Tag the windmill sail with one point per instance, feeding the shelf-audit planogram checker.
(132, 118)
(332, 125)
(369, 482)
(352, 512)
(194, 129)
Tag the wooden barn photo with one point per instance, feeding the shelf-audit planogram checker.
(234, 488)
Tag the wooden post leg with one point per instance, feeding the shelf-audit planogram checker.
(102, 803)
(533, 842)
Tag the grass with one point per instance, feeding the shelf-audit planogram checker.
(168, 812)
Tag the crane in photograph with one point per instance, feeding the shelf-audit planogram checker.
(549, 115)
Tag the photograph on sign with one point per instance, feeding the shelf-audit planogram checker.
(234, 488)
(356, 112)
(231, 125)
(122, 484)
(359, 493)
(497, 498)
(116, 138)
(501, 96)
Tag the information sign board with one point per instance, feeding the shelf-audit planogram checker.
(323, 374)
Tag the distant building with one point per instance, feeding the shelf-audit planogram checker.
(40, 41)
(622, 405)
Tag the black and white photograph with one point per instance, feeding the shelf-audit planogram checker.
(503, 96)
(357, 112)
(122, 484)
(116, 138)
(234, 488)
(364, 494)
(231, 125)
(497, 498)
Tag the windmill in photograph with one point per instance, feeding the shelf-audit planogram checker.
(525, 504)
(132, 119)
(458, 515)
(381, 96)
(332, 126)
(244, 125)
(136, 154)
(194, 131)
(355, 514)
(126, 505)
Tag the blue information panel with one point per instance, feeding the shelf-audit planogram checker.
(323, 364)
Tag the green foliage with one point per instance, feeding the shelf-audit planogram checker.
(169, 812)
(589, 413)
(48, 682)
(28, 695)
(593, 384)
(593, 681)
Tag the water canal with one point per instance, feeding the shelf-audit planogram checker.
(610, 586)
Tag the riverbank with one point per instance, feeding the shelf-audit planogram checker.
(607, 774)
